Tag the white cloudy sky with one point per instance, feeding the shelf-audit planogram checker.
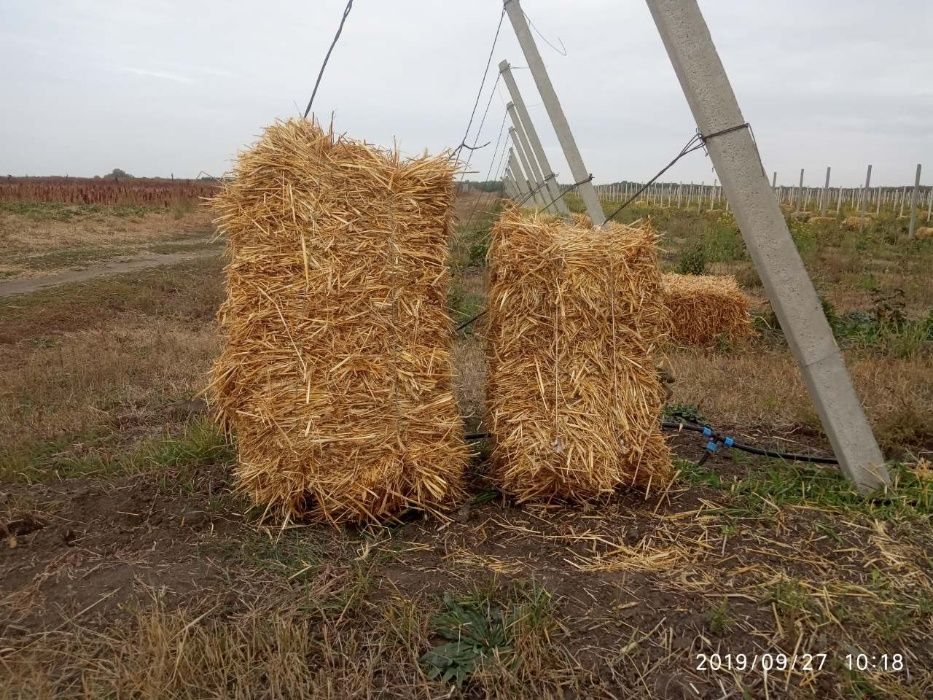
(170, 86)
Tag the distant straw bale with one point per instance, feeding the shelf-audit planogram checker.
(800, 216)
(854, 223)
(824, 220)
(704, 308)
(575, 318)
(335, 376)
(924, 232)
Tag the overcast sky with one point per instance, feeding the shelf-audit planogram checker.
(170, 86)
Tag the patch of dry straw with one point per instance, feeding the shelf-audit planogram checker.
(704, 308)
(335, 375)
(575, 317)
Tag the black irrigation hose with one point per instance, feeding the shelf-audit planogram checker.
(717, 438)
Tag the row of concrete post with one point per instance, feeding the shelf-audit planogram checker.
(746, 189)
(901, 201)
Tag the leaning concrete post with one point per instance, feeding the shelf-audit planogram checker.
(738, 164)
(508, 184)
(537, 149)
(555, 112)
(800, 191)
(532, 162)
(520, 178)
(862, 196)
(533, 183)
(824, 196)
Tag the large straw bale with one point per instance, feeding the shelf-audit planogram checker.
(923, 232)
(335, 376)
(575, 316)
(704, 308)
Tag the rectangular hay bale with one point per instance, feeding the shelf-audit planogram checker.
(574, 320)
(335, 374)
(704, 308)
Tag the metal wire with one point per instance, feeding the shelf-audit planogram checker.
(333, 43)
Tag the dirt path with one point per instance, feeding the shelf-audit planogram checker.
(28, 285)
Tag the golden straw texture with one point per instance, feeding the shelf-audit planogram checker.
(575, 317)
(335, 376)
(705, 308)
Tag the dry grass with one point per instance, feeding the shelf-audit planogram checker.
(38, 242)
(99, 366)
(763, 388)
(335, 375)
(119, 381)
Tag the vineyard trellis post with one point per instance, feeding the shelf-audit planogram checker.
(537, 148)
(519, 176)
(526, 168)
(861, 203)
(509, 183)
(799, 192)
(735, 156)
(824, 196)
(555, 112)
(525, 148)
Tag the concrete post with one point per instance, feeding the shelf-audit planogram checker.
(532, 162)
(555, 112)
(799, 191)
(508, 184)
(789, 288)
(864, 194)
(520, 178)
(877, 201)
(929, 204)
(824, 196)
(838, 201)
(537, 149)
(533, 182)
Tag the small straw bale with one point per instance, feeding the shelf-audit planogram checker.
(854, 223)
(704, 308)
(924, 232)
(335, 375)
(575, 317)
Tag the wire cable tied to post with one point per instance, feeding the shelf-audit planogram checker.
(696, 142)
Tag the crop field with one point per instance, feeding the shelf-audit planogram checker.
(131, 567)
(126, 191)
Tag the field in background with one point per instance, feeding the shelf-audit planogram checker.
(135, 191)
(44, 238)
(130, 567)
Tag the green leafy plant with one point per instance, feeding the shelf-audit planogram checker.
(475, 632)
(692, 261)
